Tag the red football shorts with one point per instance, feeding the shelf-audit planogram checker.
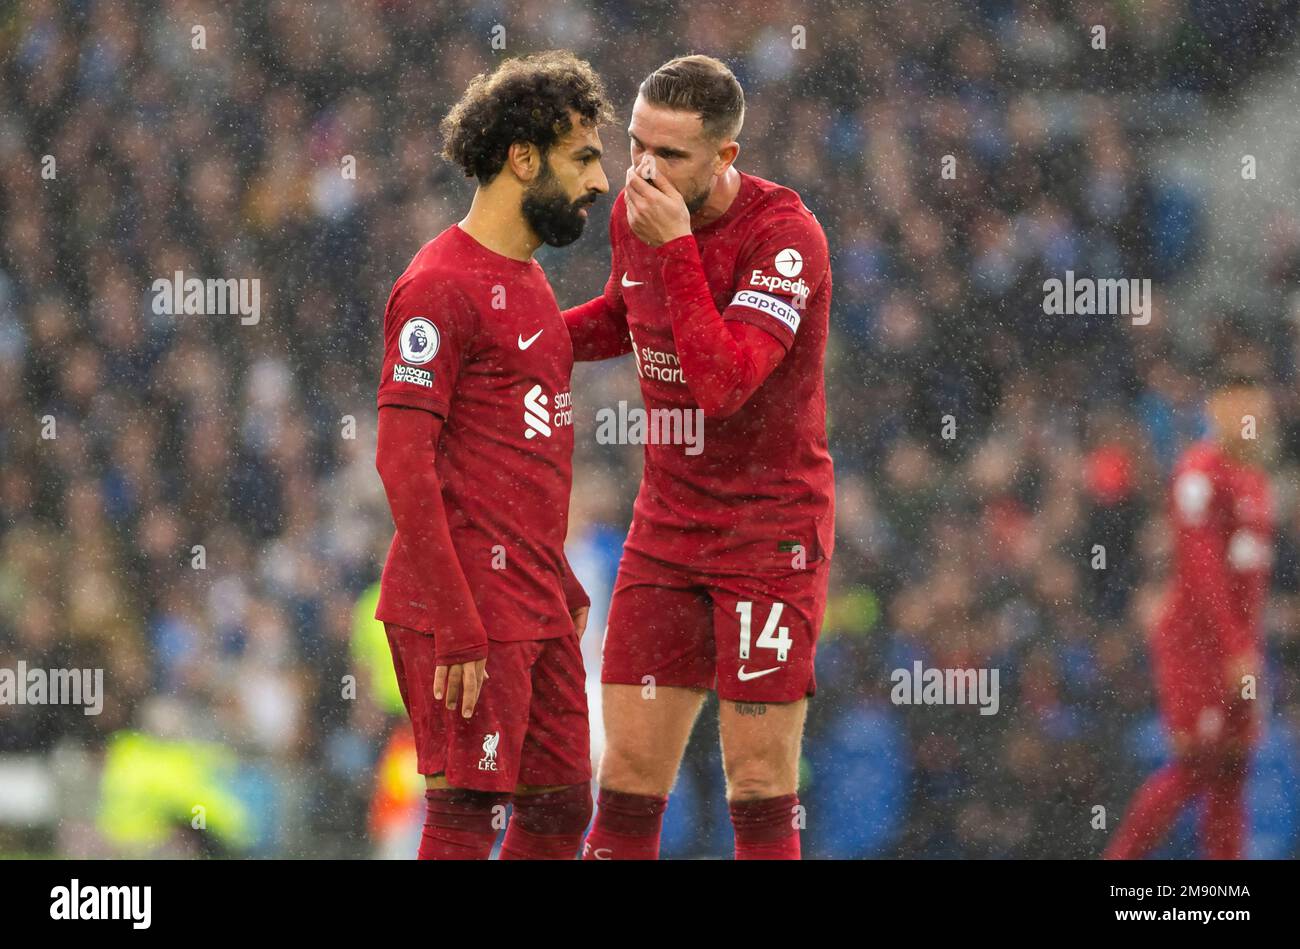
(752, 638)
(530, 724)
(1193, 696)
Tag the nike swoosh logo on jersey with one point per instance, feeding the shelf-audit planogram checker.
(631, 283)
(524, 344)
(744, 676)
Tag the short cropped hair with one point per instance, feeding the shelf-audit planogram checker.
(700, 84)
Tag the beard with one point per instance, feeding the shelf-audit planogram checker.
(696, 201)
(550, 213)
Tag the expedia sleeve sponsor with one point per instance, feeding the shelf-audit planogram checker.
(781, 270)
(795, 288)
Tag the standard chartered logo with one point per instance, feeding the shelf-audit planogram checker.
(538, 419)
(656, 364)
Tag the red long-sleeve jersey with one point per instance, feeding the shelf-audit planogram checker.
(1221, 511)
(475, 450)
(733, 320)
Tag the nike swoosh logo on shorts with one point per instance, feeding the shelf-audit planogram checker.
(631, 283)
(744, 676)
(532, 339)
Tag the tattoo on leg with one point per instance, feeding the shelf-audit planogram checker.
(751, 708)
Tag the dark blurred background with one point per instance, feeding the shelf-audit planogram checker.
(230, 726)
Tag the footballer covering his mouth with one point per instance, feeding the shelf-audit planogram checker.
(720, 286)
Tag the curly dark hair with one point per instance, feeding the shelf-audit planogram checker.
(525, 99)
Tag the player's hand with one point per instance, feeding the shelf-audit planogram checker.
(656, 211)
(462, 683)
(580, 620)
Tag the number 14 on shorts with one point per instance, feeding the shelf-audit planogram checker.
(773, 636)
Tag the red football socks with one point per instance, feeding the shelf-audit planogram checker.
(1223, 822)
(548, 826)
(766, 829)
(1165, 793)
(1154, 809)
(627, 827)
(458, 825)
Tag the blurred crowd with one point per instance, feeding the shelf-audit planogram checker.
(189, 502)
